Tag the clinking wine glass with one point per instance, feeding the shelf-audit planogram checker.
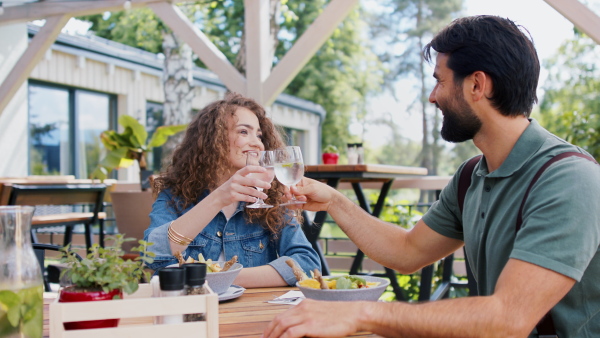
(289, 168)
(265, 160)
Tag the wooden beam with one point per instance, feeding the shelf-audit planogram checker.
(43, 9)
(30, 58)
(258, 45)
(306, 46)
(580, 15)
(214, 59)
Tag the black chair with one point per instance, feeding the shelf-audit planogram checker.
(52, 273)
(442, 291)
(77, 196)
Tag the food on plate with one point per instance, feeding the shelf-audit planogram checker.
(319, 282)
(210, 265)
(298, 272)
(229, 263)
(338, 282)
(317, 275)
(179, 257)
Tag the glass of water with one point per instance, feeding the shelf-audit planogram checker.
(289, 168)
(264, 159)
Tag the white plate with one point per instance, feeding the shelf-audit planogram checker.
(233, 292)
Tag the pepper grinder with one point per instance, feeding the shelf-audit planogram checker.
(195, 277)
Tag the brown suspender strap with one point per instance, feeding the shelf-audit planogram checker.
(464, 181)
(540, 172)
(545, 327)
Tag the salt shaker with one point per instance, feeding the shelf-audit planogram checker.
(352, 153)
(195, 276)
(360, 153)
(171, 285)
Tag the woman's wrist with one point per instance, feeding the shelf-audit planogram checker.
(177, 237)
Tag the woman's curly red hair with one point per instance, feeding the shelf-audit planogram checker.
(200, 159)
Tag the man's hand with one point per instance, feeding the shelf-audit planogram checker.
(316, 319)
(318, 196)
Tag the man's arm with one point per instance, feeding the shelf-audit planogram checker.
(524, 293)
(388, 244)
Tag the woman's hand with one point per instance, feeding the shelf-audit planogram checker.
(241, 186)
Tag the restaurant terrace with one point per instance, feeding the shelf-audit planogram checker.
(39, 66)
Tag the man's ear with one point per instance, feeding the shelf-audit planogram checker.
(481, 85)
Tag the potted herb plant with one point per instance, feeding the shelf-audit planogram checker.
(103, 275)
(330, 155)
(131, 145)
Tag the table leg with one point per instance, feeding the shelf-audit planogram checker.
(89, 240)
(101, 232)
(356, 263)
(426, 278)
(312, 231)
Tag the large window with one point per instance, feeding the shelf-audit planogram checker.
(65, 126)
(154, 119)
(293, 137)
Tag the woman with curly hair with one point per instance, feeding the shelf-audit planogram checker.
(200, 207)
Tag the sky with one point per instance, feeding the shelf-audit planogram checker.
(547, 27)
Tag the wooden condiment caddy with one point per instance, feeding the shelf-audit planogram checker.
(136, 312)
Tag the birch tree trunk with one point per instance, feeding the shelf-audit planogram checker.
(178, 86)
(240, 60)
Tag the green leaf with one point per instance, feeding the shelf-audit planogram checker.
(161, 134)
(343, 283)
(11, 302)
(139, 133)
(113, 158)
(105, 267)
(99, 173)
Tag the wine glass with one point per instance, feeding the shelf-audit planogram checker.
(265, 160)
(289, 168)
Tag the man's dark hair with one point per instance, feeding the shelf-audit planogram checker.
(498, 47)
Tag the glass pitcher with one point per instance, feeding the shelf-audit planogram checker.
(21, 285)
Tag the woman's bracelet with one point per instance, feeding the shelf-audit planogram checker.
(176, 237)
(177, 241)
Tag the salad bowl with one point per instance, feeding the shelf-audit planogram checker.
(370, 293)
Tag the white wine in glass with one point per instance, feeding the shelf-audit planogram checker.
(265, 160)
(289, 168)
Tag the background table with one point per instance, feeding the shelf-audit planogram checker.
(356, 174)
(246, 316)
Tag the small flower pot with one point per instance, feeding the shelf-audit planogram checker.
(330, 158)
(72, 294)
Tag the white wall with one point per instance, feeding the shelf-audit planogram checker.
(306, 122)
(14, 119)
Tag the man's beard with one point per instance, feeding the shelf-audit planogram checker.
(460, 124)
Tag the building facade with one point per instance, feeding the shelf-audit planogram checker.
(81, 87)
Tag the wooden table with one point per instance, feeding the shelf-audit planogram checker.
(355, 174)
(246, 316)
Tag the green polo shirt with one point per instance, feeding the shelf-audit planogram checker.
(560, 230)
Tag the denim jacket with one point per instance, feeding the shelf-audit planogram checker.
(253, 244)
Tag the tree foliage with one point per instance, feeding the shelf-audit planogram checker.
(571, 105)
(139, 28)
(403, 27)
(338, 77)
